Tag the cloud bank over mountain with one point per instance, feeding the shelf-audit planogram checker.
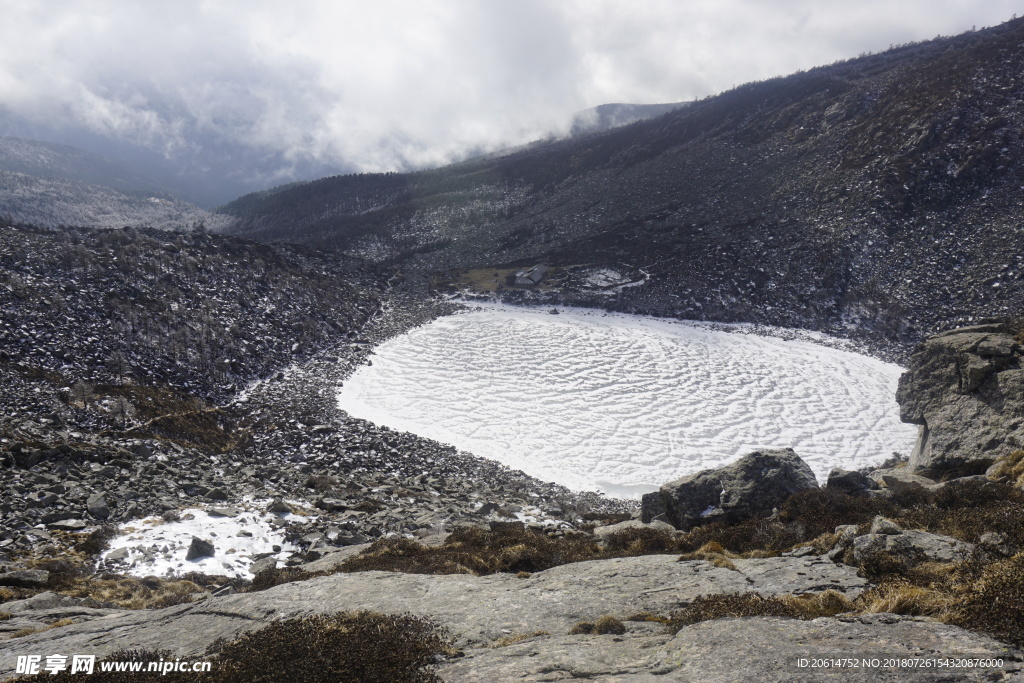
(260, 93)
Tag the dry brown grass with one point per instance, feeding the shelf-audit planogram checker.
(29, 631)
(1010, 466)
(508, 547)
(708, 607)
(902, 597)
(132, 593)
(514, 638)
(814, 605)
(811, 606)
(647, 616)
(714, 553)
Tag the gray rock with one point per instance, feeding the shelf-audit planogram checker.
(882, 525)
(49, 601)
(265, 564)
(852, 482)
(97, 506)
(997, 541)
(763, 649)
(487, 508)
(603, 532)
(199, 548)
(901, 479)
(117, 555)
(966, 390)
(25, 578)
(750, 487)
(68, 525)
(910, 546)
(278, 506)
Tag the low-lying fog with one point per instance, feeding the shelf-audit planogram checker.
(622, 403)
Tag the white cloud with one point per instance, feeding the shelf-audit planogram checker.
(400, 83)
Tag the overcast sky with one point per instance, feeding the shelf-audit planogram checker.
(394, 84)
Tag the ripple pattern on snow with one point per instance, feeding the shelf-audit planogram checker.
(625, 403)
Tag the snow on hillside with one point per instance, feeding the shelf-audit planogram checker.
(51, 202)
(622, 403)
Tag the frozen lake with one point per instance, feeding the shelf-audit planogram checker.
(623, 404)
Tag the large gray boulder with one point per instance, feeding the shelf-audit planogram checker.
(750, 487)
(965, 388)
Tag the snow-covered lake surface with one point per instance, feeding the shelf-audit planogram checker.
(623, 404)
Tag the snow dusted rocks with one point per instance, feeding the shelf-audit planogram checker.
(201, 539)
(965, 388)
(750, 487)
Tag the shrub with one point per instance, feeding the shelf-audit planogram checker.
(751, 538)
(321, 482)
(639, 541)
(472, 550)
(608, 625)
(350, 647)
(969, 510)
(814, 605)
(711, 552)
(820, 511)
(129, 592)
(96, 542)
(707, 607)
(275, 577)
(995, 602)
(145, 656)
(604, 625)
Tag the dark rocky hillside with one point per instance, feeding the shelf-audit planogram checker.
(144, 371)
(879, 197)
(201, 312)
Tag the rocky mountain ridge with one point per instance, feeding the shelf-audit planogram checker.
(876, 198)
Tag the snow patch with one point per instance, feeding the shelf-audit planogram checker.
(158, 548)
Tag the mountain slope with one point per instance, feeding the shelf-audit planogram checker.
(50, 160)
(51, 202)
(878, 197)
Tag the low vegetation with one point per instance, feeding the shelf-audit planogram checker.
(349, 647)
(982, 590)
(605, 625)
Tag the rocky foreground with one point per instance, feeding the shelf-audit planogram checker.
(749, 528)
(511, 628)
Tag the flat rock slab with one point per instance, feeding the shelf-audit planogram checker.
(477, 610)
(759, 649)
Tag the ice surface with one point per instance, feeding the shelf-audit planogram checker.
(622, 403)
